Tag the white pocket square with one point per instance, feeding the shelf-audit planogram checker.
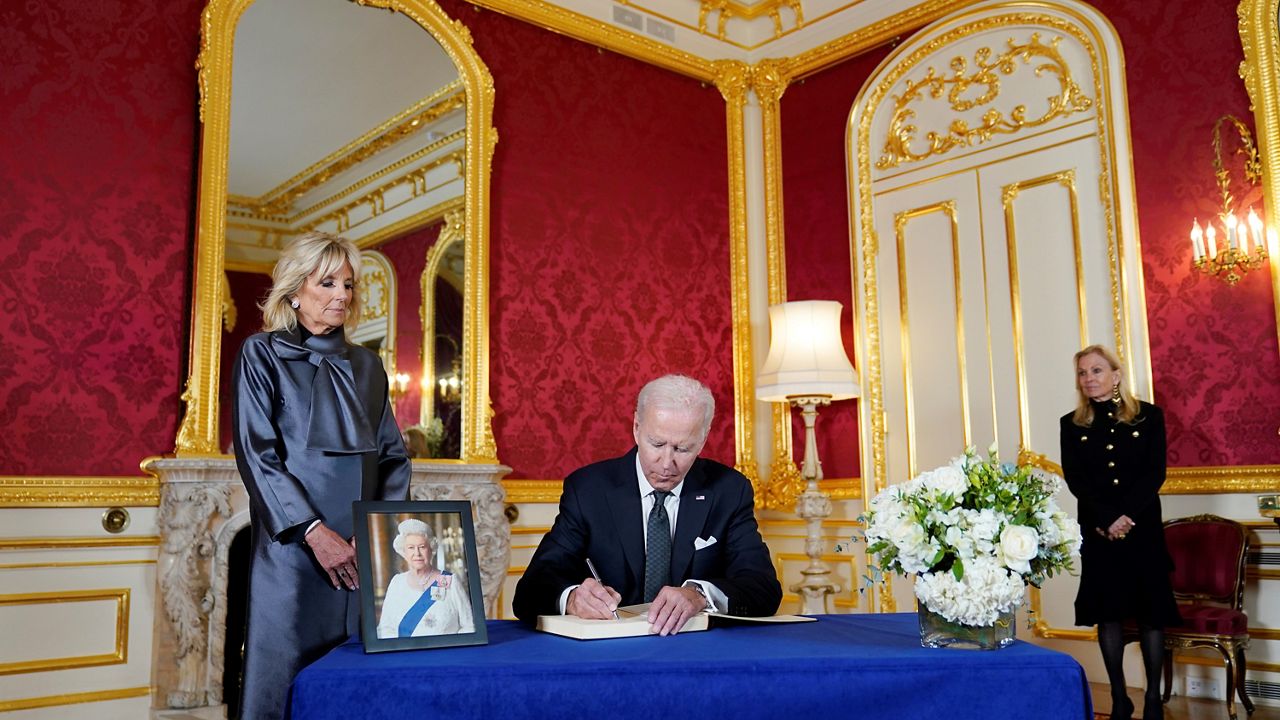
(699, 543)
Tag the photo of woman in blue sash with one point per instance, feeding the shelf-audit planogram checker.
(423, 600)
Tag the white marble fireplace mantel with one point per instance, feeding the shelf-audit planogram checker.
(203, 505)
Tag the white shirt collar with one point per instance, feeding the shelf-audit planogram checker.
(645, 488)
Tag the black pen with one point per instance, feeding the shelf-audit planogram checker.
(592, 567)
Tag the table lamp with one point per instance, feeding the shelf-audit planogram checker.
(808, 367)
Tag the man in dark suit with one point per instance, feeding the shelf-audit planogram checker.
(660, 517)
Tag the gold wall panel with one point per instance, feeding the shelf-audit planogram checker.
(532, 491)
(51, 543)
(118, 656)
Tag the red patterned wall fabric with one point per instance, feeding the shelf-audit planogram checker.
(814, 114)
(96, 187)
(610, 257)
(1214, 347)
(247, 290)
(408, 255)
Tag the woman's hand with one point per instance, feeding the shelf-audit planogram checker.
(1120, 528)
(335, 555)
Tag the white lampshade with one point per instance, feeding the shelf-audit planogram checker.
(806, 355)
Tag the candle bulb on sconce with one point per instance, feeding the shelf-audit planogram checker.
(1236, 258)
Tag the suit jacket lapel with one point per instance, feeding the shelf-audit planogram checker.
(695, 503)
(624, 503)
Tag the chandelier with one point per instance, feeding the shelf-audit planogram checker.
(1230, 262)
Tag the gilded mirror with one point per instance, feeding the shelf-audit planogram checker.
(1260, 37)
(379, 152)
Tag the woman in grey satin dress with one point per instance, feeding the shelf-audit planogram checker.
(313, 432)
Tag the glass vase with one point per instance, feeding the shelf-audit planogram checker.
(938, 632)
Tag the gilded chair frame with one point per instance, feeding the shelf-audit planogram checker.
(1231, 647)
(198, 433)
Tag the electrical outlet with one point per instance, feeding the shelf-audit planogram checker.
(1203, 687)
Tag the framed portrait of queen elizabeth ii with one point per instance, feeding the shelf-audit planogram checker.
(419, 575)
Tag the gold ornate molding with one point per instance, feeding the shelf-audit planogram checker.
(79, 491)
(1222, 479)
(197, 434)
(1259, 28)
(871, 36)
(280, 199)
(986, 72)
(533, 491)
(609, 37)
(733, 79)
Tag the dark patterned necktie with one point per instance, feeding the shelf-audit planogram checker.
(657, 560)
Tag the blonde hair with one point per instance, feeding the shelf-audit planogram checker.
(306, 255)
(1128, 407)
(678, 392)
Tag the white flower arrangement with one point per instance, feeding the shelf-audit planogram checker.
(974, 532)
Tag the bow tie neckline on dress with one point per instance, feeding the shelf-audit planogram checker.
(338, 422)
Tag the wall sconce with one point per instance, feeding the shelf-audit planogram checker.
(398, 384)
(1232, 262)
(808, 367)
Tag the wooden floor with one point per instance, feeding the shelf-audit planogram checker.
(1181, 708)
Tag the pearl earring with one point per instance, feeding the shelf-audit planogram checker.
(295, 304)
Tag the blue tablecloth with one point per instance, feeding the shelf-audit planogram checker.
(841, 666)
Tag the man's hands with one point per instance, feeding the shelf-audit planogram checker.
(672, 607)
(592, 600)
(335, 555)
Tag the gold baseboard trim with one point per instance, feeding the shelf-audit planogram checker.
(533, 491)
(1217, 479)
(27, 492)
(73, 698)
(46, 543)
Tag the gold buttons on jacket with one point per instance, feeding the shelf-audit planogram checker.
(1111, 464)
(1113, 429)
(1115, 481)
(1083, 438)
(1135, 433)
(1111, 447)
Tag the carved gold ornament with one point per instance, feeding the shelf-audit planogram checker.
(985, 75)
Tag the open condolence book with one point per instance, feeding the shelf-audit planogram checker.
(633, 621)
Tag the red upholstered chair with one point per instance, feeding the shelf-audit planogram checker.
(1208, 582)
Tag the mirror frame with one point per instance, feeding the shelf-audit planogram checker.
(198, 433)
(1260, 38)
(450, 235)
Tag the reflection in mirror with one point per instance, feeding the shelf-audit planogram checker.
(442, 384)
(349, 120)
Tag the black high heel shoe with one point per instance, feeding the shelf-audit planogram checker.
(1152, 708)
(1121, 709)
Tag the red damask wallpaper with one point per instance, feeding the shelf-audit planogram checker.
(1214, 348)
(609, 231)
(96, 184)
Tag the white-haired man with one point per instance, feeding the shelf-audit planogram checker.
(660, 525)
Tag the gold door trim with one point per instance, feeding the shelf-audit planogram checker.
(51, 543)
(900, 220)
(118, 656)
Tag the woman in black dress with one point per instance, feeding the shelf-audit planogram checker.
(1113, 458)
